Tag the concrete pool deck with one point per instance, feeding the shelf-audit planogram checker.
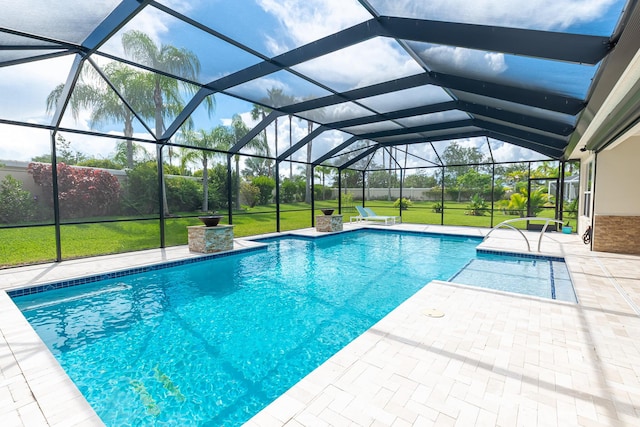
(495, 358)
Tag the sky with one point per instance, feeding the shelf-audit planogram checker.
(271, 27)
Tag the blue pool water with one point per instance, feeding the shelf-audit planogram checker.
(211, 343)
(541, 277)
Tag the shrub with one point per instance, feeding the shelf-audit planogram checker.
(320, 192)
(183, 194)
(571, 208)
(82, 192)
(100, 163)
(347, 200)
(218, 188)
(402, 203)
(16, 204)
(437, 207)
(477, 207)
(265, 187)
(289, 190)
(517, 205)
(250, 193)
(141, 195)
(537, 200)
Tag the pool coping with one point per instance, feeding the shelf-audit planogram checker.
(41, 393)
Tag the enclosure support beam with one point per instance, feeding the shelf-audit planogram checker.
(161, 192)
(313, 196)
(339, 191)
(364, 187)
(56, 200)
(277, 196)
(401, 188)
(229, 189)
(442, 196)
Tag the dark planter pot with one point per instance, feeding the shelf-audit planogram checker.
(211, 220)
(327, 211)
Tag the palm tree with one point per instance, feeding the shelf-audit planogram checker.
(110, 108)
(106, 106)
(309, 168)
(317, 115)
(165, 90)
(215, 139)
(126, 153)
(276, 98)
(256, 166)
(238, 130)
(260, 111)
(324, 171)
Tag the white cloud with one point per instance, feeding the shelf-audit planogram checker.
(448, 59)
(25, 88)
(552, 15)
(506, 152)
(150, 21)
(369, 62)
(306, 21)
(366, 63)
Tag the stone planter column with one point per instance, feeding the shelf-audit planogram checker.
(210, 239)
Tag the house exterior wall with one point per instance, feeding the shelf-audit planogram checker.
(617, 199)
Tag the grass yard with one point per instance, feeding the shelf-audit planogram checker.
(37, 244)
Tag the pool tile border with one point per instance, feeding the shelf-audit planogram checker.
(521, 255)
(122, 273)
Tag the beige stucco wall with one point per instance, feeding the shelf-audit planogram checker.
(617, 189)
(18, 170)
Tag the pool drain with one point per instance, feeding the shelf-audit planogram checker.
(432, 312)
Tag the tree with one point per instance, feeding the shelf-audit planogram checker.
(458, 161)
(324, 171)
(218, 138)
(420, 180)
(381, 178)
(309, 166)
(475, 182)
(128, 153)
(276, 98)
(257, 166)
(260, 111)
(315, 115)
(92, 92)
(548, 169)
(64, 153)
(258, 145)
(238, 130)
(165, 90)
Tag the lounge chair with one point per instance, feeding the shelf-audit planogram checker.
(367, 214)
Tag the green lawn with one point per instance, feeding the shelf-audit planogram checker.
(37, 244)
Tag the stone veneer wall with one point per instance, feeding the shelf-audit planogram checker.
(210, 239)
(328, 223)
(618, 234)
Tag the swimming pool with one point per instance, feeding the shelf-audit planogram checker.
(213, 342)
